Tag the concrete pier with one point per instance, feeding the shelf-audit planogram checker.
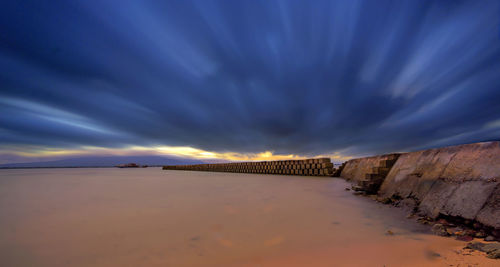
(308, 167)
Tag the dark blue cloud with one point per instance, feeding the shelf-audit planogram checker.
(306, 77)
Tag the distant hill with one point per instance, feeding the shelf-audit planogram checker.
(104, 161)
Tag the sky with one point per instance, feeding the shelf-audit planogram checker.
(246, 79)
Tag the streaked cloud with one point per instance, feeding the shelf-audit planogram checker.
(247, 80)
(47, 153)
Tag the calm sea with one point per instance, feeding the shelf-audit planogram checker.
(151, 217)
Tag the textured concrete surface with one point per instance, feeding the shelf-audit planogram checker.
(490, 213)
(460, 181)
(357, 169)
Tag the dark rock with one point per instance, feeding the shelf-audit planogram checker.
(128, 165)
(456, 230)
(450, 231)
(411, 215)
(442, 221)
(467, 232)
(489, 238)
(357, 188)
(424, 220)
(480, 234)
(492, 249)
(446, 223)
(496, 233)
(466, 238)
(475, 246)
(439, 229)
(389, 232)
(384, 200)
(347, 189)
(409, 202)
(494, 254)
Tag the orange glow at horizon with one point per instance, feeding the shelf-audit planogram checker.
(178, 151)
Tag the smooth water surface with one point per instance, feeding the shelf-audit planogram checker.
(151, 217)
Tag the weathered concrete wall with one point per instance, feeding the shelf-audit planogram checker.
(357, 169)
(461, 181)
(309, 167)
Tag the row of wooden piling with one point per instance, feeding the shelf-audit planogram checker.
(310, 167)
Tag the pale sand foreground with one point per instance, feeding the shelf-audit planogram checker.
(150, 217)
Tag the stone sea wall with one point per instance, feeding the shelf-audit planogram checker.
(357, 169)
(309, 167)
(458, 181)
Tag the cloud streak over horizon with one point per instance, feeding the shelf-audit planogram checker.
(245, 77)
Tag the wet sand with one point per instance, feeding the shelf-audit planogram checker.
(150, 217)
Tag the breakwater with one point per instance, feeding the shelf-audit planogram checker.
(369, 172)
(454, 182)
(307, 167)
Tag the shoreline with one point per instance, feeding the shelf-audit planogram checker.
(221, 219)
